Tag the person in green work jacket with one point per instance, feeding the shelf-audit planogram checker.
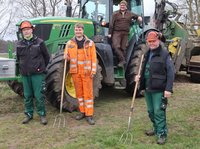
(157, 79)
(33, 57)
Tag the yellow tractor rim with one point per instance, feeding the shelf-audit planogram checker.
(69, 85)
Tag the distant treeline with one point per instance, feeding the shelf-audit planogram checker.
(5, 44)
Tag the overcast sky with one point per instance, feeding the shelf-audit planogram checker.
(148, 7)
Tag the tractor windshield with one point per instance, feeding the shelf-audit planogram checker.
(136, 6)
(93, 9)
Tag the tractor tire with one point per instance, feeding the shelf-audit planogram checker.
(17, 87)
(54, 84)
(132, 69)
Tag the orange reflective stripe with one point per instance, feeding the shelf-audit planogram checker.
(80, 99)
(81, 62)
(81, 103)
(87, 67)
(94, 67)
(89, 101)
(89, 106)
(73, 60)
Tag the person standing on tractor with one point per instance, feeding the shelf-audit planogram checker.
(119, 28)
(33, 57)
(157, 80)
(81, 53)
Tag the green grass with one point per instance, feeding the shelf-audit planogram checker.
(111, 115)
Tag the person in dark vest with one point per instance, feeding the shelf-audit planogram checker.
(157, 79)
(33, 57)
(119, 28)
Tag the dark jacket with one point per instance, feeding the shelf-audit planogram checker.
(121, 22)
(32, 56)
(161, 71)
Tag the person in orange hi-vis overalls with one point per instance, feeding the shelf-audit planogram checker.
(81, 53)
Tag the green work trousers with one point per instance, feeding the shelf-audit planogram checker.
(156, 114)
(32, 85)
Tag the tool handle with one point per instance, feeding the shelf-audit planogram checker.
(63, 85)
(136, 84)
(134, 94)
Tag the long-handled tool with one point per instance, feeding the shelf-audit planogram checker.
(126, 136)
(60, 118)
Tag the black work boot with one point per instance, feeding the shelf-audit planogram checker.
(150, 133)
(90, 120)
(43, 120)
(161, 140)
(26, 119)
(80, 116)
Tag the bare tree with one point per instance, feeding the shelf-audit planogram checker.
(191, 9)
(11, 12)
(54, 4)
(191, 12)
(197, 4)
(6, 14)
(37, 8)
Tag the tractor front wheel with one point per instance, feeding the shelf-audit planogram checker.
(54, 84)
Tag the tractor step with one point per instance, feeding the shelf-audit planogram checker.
(119, 72)
(120, 85)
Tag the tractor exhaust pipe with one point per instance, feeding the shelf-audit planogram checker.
(69, 8)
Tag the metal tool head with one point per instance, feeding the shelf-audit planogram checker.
(126, 138)
(59, 121)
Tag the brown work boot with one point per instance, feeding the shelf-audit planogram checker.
(90, 120)
(161, 140)
(150, 133)
(80, 116)
(43, 120)
(121, 63)
(26, 120)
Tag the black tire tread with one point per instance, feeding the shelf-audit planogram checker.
(133, 68)
(16, 86)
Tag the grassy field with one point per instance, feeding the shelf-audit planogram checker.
(111, 115)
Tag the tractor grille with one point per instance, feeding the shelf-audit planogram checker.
(64, 32)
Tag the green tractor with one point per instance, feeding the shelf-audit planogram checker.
(56, 31)
(182, 39)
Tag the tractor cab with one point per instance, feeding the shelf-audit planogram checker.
(100, 12)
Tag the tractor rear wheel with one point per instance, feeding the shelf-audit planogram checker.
(54, 84)
(133, 67)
